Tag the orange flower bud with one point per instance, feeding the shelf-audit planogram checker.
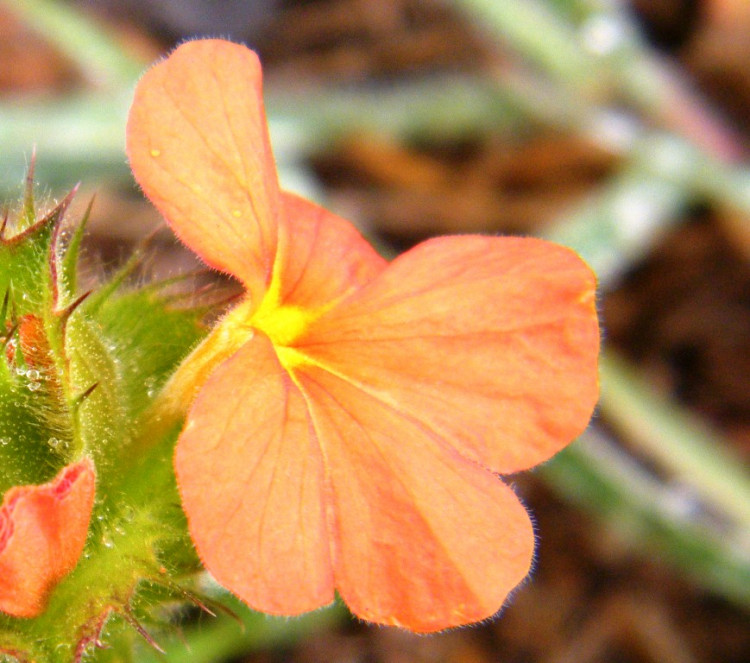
(42, 533)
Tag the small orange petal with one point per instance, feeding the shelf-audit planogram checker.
(424, 539)
(325, 256)
(491, 343)
(198, 145)
(251, 479)
(42, 533)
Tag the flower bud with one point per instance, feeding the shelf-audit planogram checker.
(42, 533)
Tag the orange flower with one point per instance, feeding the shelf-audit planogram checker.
(42, 533)
(350, 414)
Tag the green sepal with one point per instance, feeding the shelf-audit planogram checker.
(26, 260)
(67, 254)
(105, 357)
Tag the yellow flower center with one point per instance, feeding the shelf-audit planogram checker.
(282, 323)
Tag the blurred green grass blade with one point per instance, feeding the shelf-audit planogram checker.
(95, 52)
(538, 31)
(661, 175)
(617, 225)
(77, 138)
(433, 107)
(652, 517)
(683, 446)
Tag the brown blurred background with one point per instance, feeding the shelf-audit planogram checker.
(680, 312)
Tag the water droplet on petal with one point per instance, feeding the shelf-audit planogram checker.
(149, 383)
(57, 444)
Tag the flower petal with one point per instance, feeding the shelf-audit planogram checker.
(42, 533)
(198, 145)
(251, 479)
(325, 256)
(424, 538)
(491, 343)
